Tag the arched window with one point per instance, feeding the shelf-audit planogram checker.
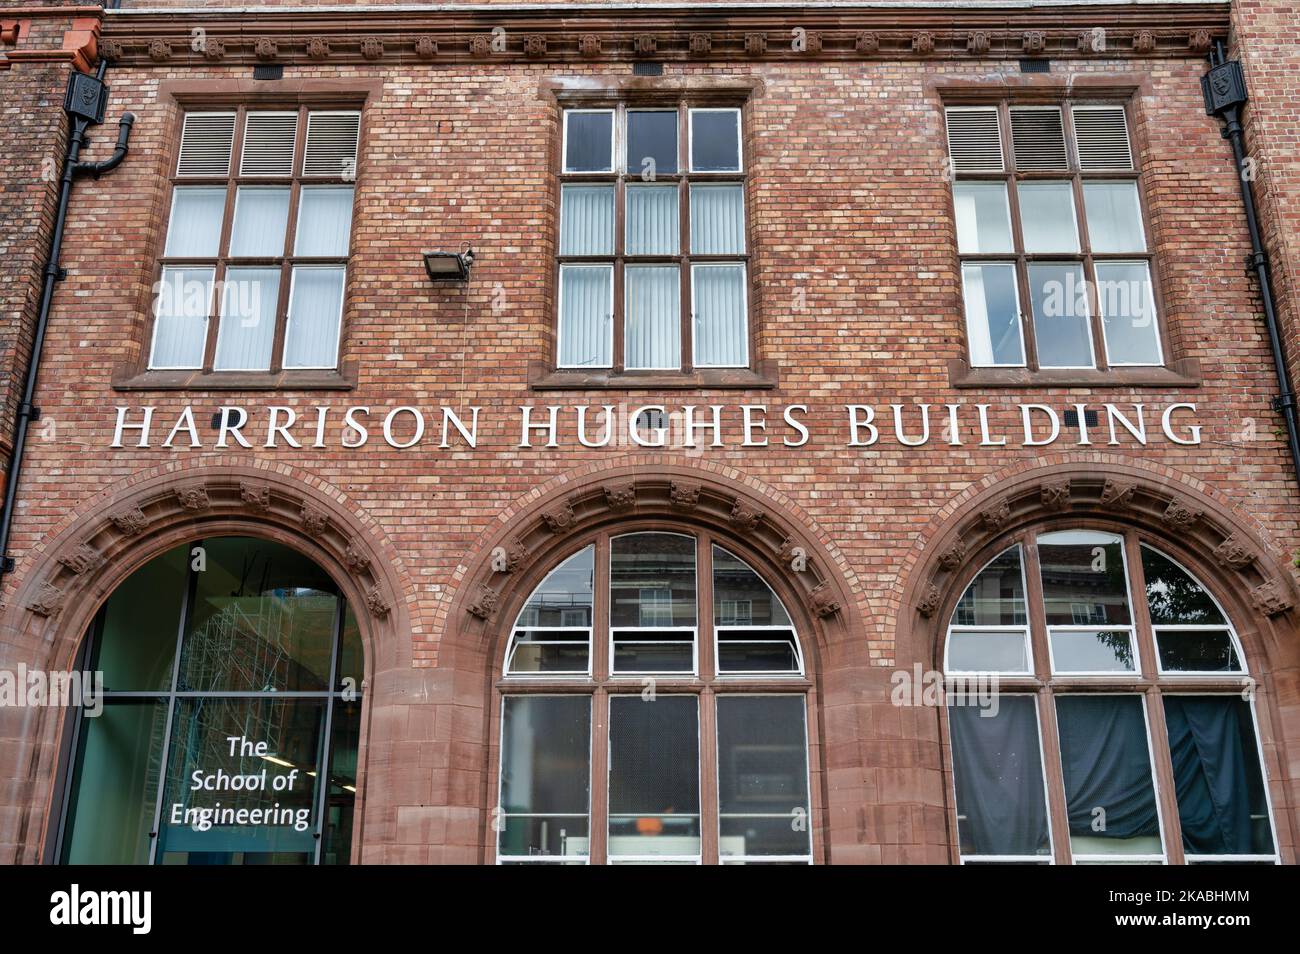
(228, 735)
(1100, 711)
(653, 710)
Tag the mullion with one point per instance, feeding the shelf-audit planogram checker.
(223, 244)
(1100, 359)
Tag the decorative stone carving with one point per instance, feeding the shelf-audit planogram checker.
(867, 43)
(1056, 495)
(214, 50)
(193, 497)
(755, 44)
(620, 496)
(979, 43)
(426, 47)
(953, 557)
(129, 522)
(1234, 554)
(314, 520)
(646, 43)
(998, 514)
(376, 603)
(265, 48)
(701, 43)
(354, 559)
(589, 45)
(160, 51)
(111, 49)
(484, 604)
(683, 495)
(515, 552)
(561, 518)
(1117, 494)
(48, 600)
(1034, 42)
(1180, 516)
(318, 48)
(929, 602)
(923, 42)
(744, 517)
(535, 45)
(372, 47)
(1271, 598)
(84, 559)
(1144, 41)
(822, 601)
(813, 43)
(1199, 41)
(480, 44)
(257, 496)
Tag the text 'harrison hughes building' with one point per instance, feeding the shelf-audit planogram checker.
(594, 433)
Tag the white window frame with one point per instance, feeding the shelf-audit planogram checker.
(966, 314)
(1023, 628)
(690, 133)
(609, 317)
(288, 325)
(1155, 312)
(207, 319)
(1130, 628)
(613, 138)
(744, 306)
(616, 673)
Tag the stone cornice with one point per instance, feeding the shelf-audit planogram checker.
(707, 34)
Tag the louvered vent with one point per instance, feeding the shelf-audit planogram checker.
(1102, 137)
(974, 139)
(268, 144)
(332, 144)
(1038, 138)
(206, 140)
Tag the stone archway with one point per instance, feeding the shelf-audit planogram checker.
(72, 575)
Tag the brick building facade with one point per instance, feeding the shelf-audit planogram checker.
(877, 450)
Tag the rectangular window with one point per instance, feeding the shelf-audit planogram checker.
(653, 254)
(654, 780)
(1051, 237)
(545, 790)
(1086, 603)
(255, 260)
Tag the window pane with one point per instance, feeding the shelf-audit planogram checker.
(1083, 579)
(315, 311)
(553, 632)
(261, 213)
(587, 220)
(1196, 650)
(1222, 808)
(652, 335)
(983, 217)
(201, 826)
(586, 316)
(263, 620)
(344, 743)
(588, 141)
(248, 301)
(1109, 795)
(654, 776)
(195, 227)
(993, 315)
(115, 784)
(1092, 650)
(717, 220)
(545, 774)
(715, 140)
(181, 311)
(651, 143)
(721, 335)
(1114, 217)
(996, 597)
(652, 580)
(1047, 217)
(652, 227)
(1128, 312)
(762, 776)
(984, 651)
(1173, 596)
(740, 597)
(998, 773)
(136, 646)
(324, 221)
(1061, 328)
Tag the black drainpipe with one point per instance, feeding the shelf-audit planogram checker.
(1224, 87)
(84, 104)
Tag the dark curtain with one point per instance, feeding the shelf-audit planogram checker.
(999, 779)
(1107, 765)
(1216, 775)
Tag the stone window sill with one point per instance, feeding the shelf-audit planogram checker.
(1179, 374)
(306, 380)
(544, 378)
